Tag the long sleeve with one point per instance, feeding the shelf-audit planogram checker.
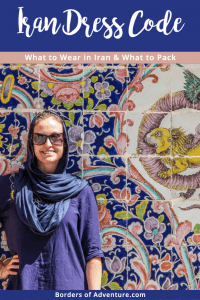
(89, 226)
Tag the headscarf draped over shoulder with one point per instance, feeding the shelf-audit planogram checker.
(55, 190)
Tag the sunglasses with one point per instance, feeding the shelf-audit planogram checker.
(55, 139)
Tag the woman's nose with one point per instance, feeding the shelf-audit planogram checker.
(48, 142)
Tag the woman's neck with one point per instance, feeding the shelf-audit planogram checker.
(47, 168)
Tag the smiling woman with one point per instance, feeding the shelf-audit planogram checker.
(52, 225)
(48, 143)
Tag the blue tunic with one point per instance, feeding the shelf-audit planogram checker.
(56, 261)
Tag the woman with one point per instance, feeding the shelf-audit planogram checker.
(52, 225)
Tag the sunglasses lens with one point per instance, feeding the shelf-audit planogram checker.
(39, 139)
(56, 139)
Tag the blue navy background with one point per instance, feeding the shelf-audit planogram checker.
(185, 40)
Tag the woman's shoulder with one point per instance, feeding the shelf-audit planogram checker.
(86, 197)
(86, 191)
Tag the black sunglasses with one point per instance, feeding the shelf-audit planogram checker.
(55, 139)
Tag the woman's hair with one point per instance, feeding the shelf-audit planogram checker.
(45, 114)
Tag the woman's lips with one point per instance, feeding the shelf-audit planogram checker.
(47, 153)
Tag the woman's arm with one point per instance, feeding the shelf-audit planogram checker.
(94, 273)
(90, 239)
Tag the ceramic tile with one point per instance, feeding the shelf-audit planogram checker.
(105, 87)
(115, 270)
(61, 88)
(113, 228)
(9, 133)
(185, 88)
(146, 131)
(19, 86)
(113, 216)
(186, 154)
(106, 133)
(156, 265)
(74, 123)
(145, 173)
(193, 237)
(187, 215)
(186, 66)
(185, 267)
(150, 90)
(151, 221)
(10, 164)
(63, 69)
(106, 174)
(74, 165)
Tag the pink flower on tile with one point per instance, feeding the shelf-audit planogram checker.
(120, 144)
(108, 243)
(138, 87)
(196, 238)
(180, 271)
(192, 256)
(67, 93)
(135, 228)
(104, 216)
(14, 131)
(120, 74)
(98, 120)
(125, 195)
(176, 240)
(22, 80)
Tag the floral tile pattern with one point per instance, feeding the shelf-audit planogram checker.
(147, 221)
(154, 273)
(134, 135)
(99, 91)
(106, 133)
(19, 87)
(115, 270)
(61, 87)
(107, 176)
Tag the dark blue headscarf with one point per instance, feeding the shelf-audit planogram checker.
(55, 190)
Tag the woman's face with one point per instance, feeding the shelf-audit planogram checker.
(48, 154)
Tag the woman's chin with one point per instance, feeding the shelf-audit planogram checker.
(49, 160)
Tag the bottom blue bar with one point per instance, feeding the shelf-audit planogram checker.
(53, 295)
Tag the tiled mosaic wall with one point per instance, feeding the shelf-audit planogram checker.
(134, 134)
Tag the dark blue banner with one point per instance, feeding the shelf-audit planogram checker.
(114, 294)
(100, 25)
